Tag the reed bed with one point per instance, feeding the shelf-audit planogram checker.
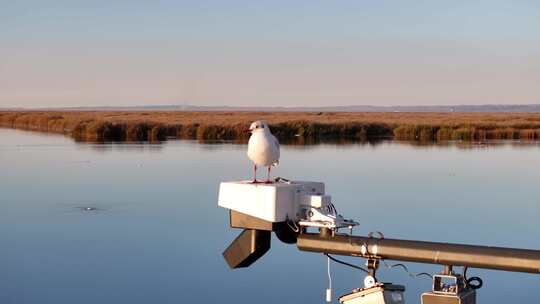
(287, 126)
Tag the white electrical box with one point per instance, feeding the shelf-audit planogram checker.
(380, 294)
(274, 202)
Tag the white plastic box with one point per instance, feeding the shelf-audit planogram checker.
(274, 202)
(382, 294)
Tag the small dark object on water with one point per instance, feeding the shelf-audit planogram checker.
(88, 208)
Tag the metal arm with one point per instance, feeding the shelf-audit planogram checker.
(508, 259)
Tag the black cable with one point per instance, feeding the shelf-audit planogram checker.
(413, 275)
(478, 284)
(468, 281)
(400, 265)
(281, 179)
(423, 274)
(388, 266)
(346, 264)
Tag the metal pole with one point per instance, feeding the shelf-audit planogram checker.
(508, 259)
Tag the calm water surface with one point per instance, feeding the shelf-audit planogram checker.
(138, 223)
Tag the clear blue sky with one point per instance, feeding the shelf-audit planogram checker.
(84, 53)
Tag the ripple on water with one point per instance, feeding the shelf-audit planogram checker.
(91, 209)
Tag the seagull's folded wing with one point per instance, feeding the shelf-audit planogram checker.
(275, 144)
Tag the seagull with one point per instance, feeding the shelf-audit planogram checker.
(263, 148)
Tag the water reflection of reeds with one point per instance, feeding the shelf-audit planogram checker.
(421, 145)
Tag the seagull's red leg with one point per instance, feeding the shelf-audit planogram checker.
(268, 181)
(255, 174)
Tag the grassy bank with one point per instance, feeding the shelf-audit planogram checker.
(297, 127)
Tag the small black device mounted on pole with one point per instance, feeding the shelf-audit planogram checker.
(449, 288)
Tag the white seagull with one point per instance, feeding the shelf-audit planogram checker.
(263, 148)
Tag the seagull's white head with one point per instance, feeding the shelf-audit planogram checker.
(258, 126)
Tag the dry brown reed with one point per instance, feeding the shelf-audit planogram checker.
(287, 126)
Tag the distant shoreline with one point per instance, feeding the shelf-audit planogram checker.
(298, 127)
(484, 108)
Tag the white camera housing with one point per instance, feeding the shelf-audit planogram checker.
(274, 202)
